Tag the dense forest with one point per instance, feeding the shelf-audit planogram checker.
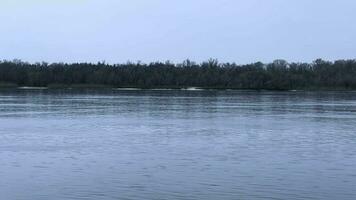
(278, 75)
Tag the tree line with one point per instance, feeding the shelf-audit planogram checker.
(278, 75)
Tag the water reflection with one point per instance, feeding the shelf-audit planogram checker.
(67, 144)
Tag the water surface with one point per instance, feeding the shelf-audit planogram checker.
(67, 144)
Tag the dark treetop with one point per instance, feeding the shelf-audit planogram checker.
(278, 75)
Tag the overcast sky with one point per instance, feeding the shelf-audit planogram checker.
(243, 31)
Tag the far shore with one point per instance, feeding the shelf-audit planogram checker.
(9, 86)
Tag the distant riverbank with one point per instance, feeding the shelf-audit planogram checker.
(276, 76)
(104, 87)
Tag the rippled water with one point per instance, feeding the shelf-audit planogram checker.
(177, 145)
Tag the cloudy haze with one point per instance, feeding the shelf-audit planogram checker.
(149, 30)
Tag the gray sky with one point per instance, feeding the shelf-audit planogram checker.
(243, 31)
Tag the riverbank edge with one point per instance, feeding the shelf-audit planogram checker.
(9, 86)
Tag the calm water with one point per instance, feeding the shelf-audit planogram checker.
(177, 145)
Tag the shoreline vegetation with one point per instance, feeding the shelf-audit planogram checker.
(188, 75)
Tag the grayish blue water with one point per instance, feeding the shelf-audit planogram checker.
(107, 145)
